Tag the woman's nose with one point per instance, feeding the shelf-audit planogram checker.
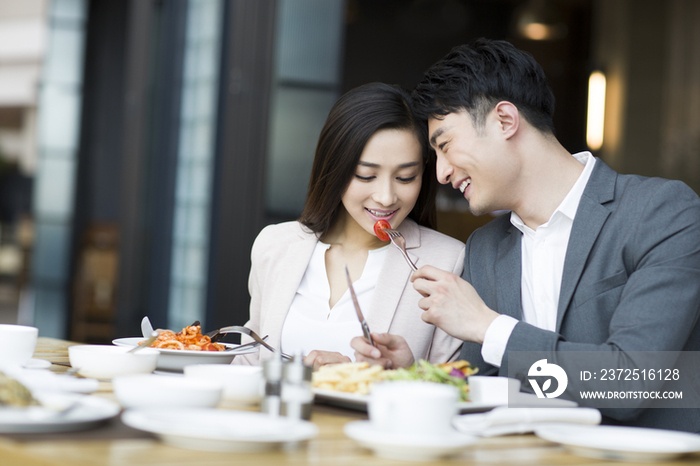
(385, 194)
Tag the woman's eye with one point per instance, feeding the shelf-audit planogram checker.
(407, 180)
(364, 178)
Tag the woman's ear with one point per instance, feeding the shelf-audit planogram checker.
(508, 118)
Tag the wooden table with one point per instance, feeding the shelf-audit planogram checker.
(129, 447)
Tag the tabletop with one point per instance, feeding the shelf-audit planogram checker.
(115, 444)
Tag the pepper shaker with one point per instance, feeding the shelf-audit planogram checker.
(296, 389)
(272, 372)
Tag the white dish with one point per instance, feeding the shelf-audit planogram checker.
(359, 402)
(176, 360)
(621, 443)
(220, 429)
(37, 364)
(90, 412)
(105, 362)
(156, 391)
(407, 447)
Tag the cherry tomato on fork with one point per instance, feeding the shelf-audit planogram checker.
(379, 228)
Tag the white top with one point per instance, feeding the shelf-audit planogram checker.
(311, 324)
(543, 254)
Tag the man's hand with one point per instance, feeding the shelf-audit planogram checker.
(317, 358)
(452, 304)
(391, 351)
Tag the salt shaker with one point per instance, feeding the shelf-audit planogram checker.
(296, 389)
(272, 372)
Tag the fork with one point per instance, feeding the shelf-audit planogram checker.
(250, 333)
(399, 241)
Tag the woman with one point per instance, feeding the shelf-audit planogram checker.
(372, 162)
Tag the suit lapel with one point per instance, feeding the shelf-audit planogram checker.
(508, 274)
(293, 266)
(590, 218)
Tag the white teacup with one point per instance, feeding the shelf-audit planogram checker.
(242, 385)
(492, 390)
(17, 344)
(420, 408)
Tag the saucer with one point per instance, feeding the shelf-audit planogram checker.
(221, 430)
(37, 364)
(407, 447)
(621, 443)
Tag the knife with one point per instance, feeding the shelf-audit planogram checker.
(365, 327)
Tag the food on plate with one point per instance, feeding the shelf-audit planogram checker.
(379, 228)
(451, 373)
(14, 394)
(351, 377)
(189, 338)
(358, 377)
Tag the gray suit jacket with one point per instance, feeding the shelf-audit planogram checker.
(631, 279)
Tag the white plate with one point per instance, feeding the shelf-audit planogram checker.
(219, 429)
(359, 402)
(90, 412)
(37, 364)
(621, 443)
(176, 360)
(407, 447)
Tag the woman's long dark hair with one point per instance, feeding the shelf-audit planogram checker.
(352, 121)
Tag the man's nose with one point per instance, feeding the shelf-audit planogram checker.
(443, 170)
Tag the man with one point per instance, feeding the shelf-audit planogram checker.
(587, 259)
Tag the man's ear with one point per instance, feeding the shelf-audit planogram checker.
(508, 118)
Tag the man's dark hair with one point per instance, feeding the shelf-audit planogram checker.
(476, 76)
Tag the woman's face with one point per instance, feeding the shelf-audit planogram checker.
(387, 179)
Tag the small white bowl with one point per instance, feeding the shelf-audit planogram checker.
(242, 384)
(161, 391)
(107, 361)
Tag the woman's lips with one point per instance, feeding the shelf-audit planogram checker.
(381, 214)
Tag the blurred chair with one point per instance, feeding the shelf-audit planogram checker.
(94, 285)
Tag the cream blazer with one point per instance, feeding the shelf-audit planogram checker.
(279, 259)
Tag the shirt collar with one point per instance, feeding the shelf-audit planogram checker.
(569, 205)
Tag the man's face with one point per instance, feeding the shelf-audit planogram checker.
(474, 161)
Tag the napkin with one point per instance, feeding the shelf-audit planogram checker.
(45, 380)
(505, 421)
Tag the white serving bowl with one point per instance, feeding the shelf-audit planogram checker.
(241, 384)
(162, 391)
(107, 361)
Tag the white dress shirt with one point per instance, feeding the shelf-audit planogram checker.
(543, 253)
(311, 324)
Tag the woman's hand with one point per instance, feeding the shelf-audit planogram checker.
(391, 351)
(319, 358)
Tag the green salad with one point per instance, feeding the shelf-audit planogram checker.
(452, 373)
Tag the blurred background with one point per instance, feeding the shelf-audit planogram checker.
(145, 143)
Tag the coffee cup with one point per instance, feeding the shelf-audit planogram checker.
(17, 344)
(415, 408)
(493, 390)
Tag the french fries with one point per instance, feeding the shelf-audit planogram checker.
(351, 377)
